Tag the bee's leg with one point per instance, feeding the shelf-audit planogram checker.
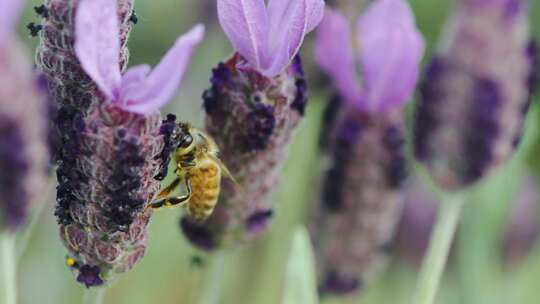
(173, 201)
(188, 164)
(188, 161)
(167, 190)
(180, 200)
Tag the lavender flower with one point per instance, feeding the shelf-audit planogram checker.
(113, 141)
(257, 99)
(476, 92)
(360, 201)
(23, 125)
(522, 227)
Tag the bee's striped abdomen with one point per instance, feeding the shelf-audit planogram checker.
(205, 184)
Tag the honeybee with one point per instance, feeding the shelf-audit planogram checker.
(198, 165)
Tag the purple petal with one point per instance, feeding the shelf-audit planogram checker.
(97, 43)
(9, 14)
(160, 86)
(132, 78)
(315, 14)
(391, 49)
(290, 21)
(246, 24)
(334, 54)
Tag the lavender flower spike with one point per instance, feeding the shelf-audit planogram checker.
(113, 150)
(476, 92)
(361, 197)
(23, 132)
(258, 97)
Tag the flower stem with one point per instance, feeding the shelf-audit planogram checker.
(94, 295)
(214, 279)
(26, 234)
(439, 248)
(8, 268)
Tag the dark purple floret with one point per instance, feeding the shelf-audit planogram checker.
(13, 170)
(394, 141)
(123, 184)
(167, 128)
(297, 66)
(347, 135)
(259, 220)
(42, 11)
(329, 118)
(34, 28)
(431, 94)
(485, 128)
(89, 276)
(198, 234)
(69, 124)
(260, 125)
(221, 77)
(301, 99)
(532, 53)
(486, 95)
(335, 283)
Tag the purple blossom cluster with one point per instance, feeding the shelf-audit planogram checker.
(363, 140)
(476, 92)
(24, 151)
(114, 149)
(256, 100)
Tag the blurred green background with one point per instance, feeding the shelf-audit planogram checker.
(256, 273)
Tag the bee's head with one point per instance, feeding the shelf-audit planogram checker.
(185, 140)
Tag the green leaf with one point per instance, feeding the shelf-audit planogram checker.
(300, 281)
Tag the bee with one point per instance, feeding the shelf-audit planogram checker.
(198, 166)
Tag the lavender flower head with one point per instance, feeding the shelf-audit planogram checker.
(476, 92)
(23, 125)
(257, 98)
(113, 143)
(364, 141)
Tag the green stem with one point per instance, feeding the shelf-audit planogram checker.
(26, 234)
(213, 279)
(8, 268)
(439, 248)
(94, 295)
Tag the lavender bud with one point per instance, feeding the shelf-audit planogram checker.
(360, 202)
(252, 118)
(522, 227)
(24, 154)
(109, 156)
(476, 92)
(364, 138)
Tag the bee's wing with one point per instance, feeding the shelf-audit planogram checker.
(226, 172)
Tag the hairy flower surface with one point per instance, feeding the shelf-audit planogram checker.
(476, 92)
(24, 154)
(353, 224)
(257, 98)
(113, 144)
